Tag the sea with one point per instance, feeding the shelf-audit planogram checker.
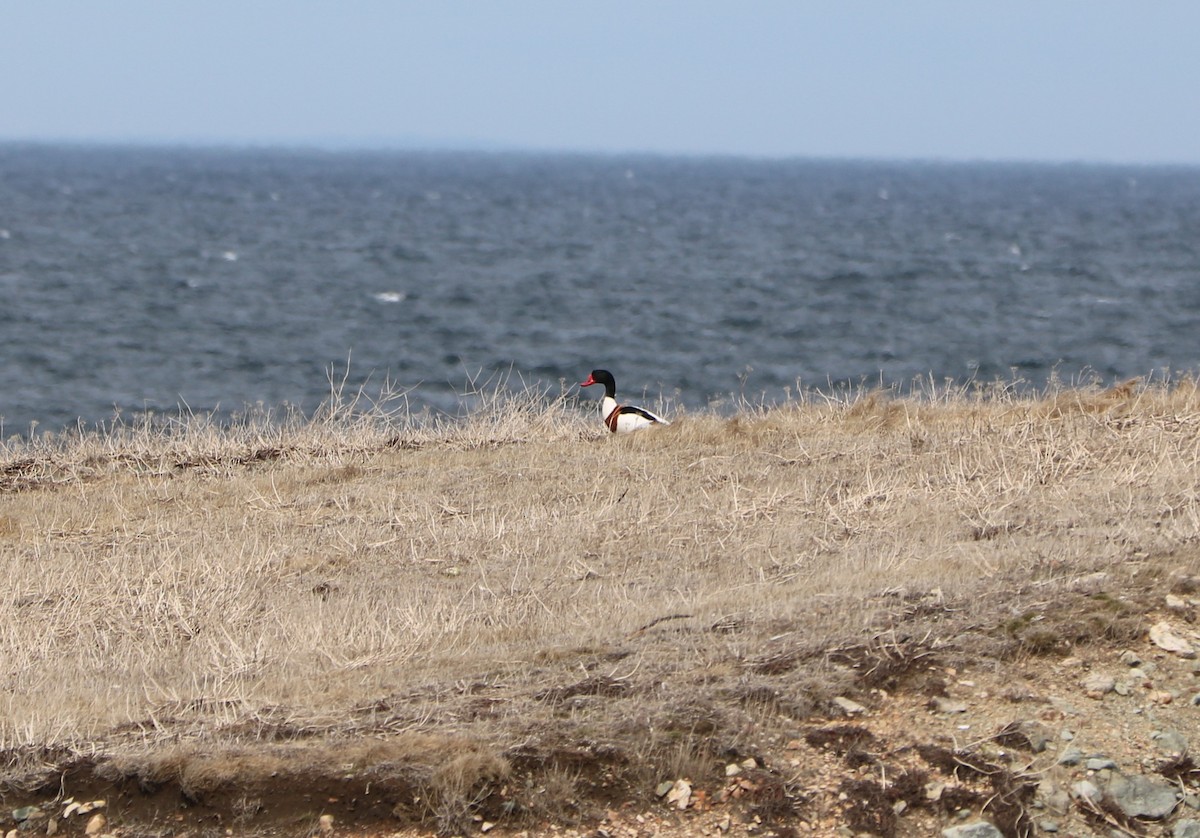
(142, 280)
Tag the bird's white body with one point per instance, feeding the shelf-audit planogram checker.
(627, 418)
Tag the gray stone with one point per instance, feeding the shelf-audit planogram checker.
(1091, 583)
(1130, 658)
(1099, 764)
(1051, 796)
(1097, 684)
(1195, 702)
(1141, 797)
(1164, 636)
(1170, 741)
(975, 829)
(1071, 755)
(948, 705)
(849, 706)
(1187, 829)
(1086, 790)
(1048, 826)
(1063, 706)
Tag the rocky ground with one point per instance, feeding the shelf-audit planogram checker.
(1093, 742)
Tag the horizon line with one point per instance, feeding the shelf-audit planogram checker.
(423, 146)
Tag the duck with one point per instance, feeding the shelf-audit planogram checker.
(620, 418)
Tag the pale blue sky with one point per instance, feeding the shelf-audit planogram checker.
(948, 79)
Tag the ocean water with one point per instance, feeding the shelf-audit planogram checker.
(154, 279)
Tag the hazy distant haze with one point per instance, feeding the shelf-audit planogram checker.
(1097, 81)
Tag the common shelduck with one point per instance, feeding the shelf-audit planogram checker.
(620, 418)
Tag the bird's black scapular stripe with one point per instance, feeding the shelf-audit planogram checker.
(640, 412)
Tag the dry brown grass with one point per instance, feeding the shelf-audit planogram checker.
(545, 595)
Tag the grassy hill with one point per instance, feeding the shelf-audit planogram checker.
(518, 618)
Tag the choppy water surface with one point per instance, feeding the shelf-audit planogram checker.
(148, 279)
